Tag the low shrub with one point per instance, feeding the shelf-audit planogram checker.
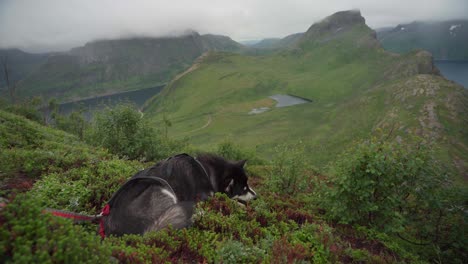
(124, 132)
(231, 151)
(288, 169)
(29, 236)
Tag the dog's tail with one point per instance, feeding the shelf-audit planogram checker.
(178, 216)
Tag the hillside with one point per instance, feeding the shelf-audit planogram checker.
(445, 40)
(278, 43)
(20, 64)
(354, 84)
(45, 168)
(109, 66)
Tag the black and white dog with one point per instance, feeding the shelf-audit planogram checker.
(165, 194)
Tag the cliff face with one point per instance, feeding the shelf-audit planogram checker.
(336, 22)
(344, 24)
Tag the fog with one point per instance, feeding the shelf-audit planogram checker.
(58, 25)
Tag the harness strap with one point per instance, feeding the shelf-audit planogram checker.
(203, 167)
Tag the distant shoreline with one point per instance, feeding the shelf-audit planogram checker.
(109, 94)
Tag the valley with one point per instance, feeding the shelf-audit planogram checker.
(355, 140)
(359, 90)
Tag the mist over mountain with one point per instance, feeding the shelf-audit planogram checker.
(358, 153)
(446, 40)
(109, 66)
(19, 64)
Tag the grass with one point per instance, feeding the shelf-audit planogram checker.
(352, 89)
(64, 173)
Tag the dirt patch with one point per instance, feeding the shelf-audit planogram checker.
(429, 121)
(19, 183)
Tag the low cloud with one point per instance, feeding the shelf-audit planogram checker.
(57, 25)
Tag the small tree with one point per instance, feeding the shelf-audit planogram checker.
(117, 128)
(124, 132)
(11, 87)
(380, 183)
(289, 169)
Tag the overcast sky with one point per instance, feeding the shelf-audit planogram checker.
(57, 25)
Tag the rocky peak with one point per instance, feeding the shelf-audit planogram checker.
(337, 22)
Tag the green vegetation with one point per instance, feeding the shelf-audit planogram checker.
(123, 132)
(397, 188)
(354, 179)
(111, 66)
(356, 88)
(287, 223)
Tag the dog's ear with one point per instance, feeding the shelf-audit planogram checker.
(241, 163)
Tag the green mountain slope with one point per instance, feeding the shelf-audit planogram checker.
(47, 168)
(445, 40)
(20, 64)
(340, 66)
(110, 66)
(278, 43)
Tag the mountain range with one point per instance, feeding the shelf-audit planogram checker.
(446, 40)
(357, 85)
(357, 90)
(110, 66)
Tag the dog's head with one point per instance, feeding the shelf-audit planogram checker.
(235, 183)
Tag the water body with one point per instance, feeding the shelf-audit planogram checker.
(288, 100)
(282, 100)
(456, 71)
(137, 97)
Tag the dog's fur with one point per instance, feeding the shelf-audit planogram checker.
(148, 205)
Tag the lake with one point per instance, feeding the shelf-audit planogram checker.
(288, 100)
(137, 97)
(282, 100)
(456, 71)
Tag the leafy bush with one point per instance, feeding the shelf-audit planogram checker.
(399, 189)
(28, 109)
(377, 182)
(75, 123)
(233, 251)
(124, 132)
(87, 188)
(289, 169)
(29, 236)
(231, 151)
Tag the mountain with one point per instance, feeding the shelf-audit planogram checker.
(109, 66)
(357, 90)
(278, 43)
(19, 63)
(445, 40)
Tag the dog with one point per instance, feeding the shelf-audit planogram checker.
(166, 193)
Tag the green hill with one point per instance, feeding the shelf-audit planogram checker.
(20, 64)
(41, 167)
(278, 43)
(110, 66)
(356, 87)
(446, 40)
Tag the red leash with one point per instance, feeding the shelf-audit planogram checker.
(77, 218)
